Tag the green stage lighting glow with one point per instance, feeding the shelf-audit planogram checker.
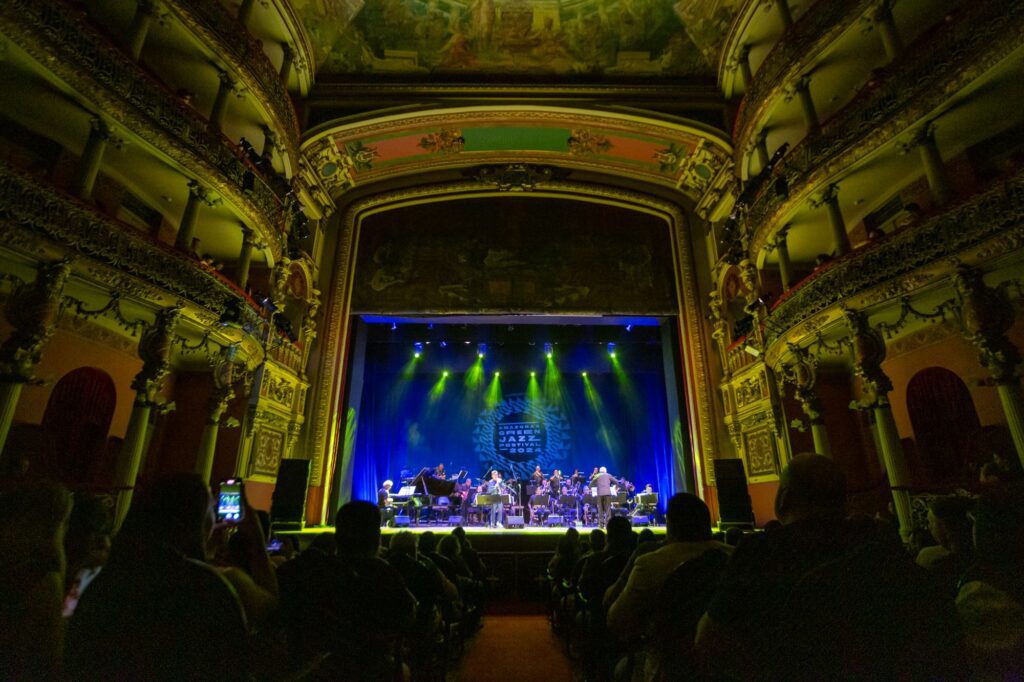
(493, 396)
(444, 373)
(480, 355)
(533, 374)
(416, 355)
(497, 374)
(584, 375)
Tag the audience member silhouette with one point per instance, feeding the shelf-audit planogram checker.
(33, 519)
(826, 598)
(158, 611)
(950, 526)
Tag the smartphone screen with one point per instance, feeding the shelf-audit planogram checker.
(229, 501)
(274, 545)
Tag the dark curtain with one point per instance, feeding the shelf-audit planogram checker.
(77, 420)
(944, 420)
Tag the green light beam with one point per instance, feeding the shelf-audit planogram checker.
(493, 396)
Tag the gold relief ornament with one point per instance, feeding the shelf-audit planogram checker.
(985, 315)
(585, 142)
(801, 372)
(32, 309)
(868, 355)
(155, 352)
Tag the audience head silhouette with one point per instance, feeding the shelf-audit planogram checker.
(403, 543)
(357, 529)
(173, 511)
(687, 519)
(620, 533)
(811, 487)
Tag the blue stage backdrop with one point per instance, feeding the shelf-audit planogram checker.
(491, 413)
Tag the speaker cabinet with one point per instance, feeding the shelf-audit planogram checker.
(288, 503)
(514, 522)
(455, 520)
(554, 520)
(734, 506)
(401, 522)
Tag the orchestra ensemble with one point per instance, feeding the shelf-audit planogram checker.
(543, 499)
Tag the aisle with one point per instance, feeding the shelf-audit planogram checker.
(515, 647)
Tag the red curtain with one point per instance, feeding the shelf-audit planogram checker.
(77, 420)
(944, 420)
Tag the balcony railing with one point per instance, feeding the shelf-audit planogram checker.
(245, 52)
(933, 68)
(968, 224)
(44, 211)
(62, 39)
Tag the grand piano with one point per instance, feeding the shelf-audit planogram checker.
(422, 491)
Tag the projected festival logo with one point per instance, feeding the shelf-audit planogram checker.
(519, 434)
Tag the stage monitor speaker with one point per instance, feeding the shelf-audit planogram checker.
(401, 522)
(641, 520)
(455, 520)
(734, 506)
(288, 503)
(554, 520)
(514, 522)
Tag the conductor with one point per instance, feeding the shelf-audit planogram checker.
(603, 481)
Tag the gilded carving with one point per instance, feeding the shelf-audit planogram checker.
(986, 314)
(759, 447)
(32, 310)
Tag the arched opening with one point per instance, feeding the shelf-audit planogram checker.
(77, 419)
(945, 423)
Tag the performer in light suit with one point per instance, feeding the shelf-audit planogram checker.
(496, 486)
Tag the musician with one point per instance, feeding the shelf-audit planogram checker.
(556, 481)
(538, 508)
(603, 481)
(576, 478)
(439, 472)
(537, 477)
(384, 502)
(648, 490)
(496, 486)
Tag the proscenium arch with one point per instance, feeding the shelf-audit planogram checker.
(666, 151)
(327, 417)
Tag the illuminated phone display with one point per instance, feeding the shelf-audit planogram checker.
(229, 501)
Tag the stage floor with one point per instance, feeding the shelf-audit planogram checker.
(470, 530)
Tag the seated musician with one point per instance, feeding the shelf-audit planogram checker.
(439, 472)
(384, 502)
(648, 490)
(496, 486)
(538, 507)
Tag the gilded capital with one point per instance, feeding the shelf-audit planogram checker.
(868, 356)
(32, 311)
(155, 352)
(985, 317)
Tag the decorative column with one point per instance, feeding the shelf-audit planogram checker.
(761, 150)
(868, 355)
(830, 200)
(785, 14)
(245, 257)
(803, 375)
(197, 195)
(744, 63)
(136, 36)
(287, 61)
(986, 314)
(802, 91)
(220, 102)
(781, 247)
(934, 167)
(155, 351)
(719, 330)
(887, 30)
(32, 311)
(92, 158)
(245, 12)
(224, 378)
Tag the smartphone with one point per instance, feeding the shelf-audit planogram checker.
(275, 545)
(229, 501)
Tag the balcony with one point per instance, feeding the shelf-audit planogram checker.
(219, 29)
(39, 209)
(62, 40)
(933, 69)
(985, 217)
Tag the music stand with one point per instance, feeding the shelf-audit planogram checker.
(485, 500)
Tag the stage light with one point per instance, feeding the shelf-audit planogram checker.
(417, 349)
(533, 374)
(444, 344)
(481, 350)
(394, 326)
(629, 327)
(497, 374)
(444, 374)
(611, 349)
(549, 350)
(584, 375)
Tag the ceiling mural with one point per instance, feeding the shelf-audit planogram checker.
(665, 154)
(596, 38)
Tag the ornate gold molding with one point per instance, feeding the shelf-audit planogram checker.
(327, 395)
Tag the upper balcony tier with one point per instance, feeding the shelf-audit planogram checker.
(921, 87)
(220, 30)
(85, 61)
(980, 229)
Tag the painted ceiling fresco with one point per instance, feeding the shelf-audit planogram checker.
(595, 38)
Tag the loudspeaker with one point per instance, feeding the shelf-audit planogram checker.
(641, 520)
(455, 520)
(401, 522)
(288, 503)
(514, 522)
(734, 506)
(554, 520)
